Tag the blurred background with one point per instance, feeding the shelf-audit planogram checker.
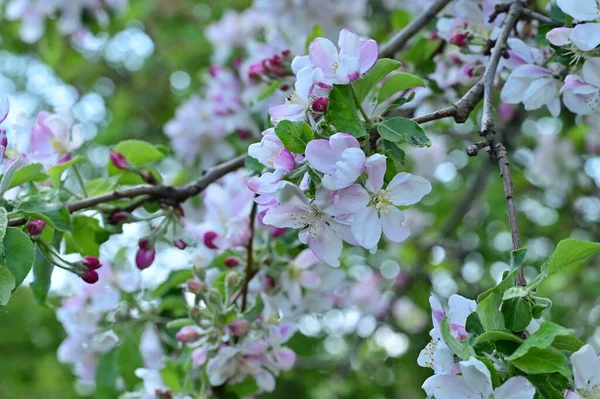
(127, 79)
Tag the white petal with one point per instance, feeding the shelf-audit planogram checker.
(449, 387)
(391, 223)
(477, 376)
(407, 189)
(586, 367)
(515, 388)
(586, 36)
(583, 10)
(366, 227)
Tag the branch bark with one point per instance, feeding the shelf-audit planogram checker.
(398, 41)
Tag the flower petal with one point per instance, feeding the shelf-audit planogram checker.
(586, 36)
(477, 376)
(376, 167)
(320, 156)
(369, 52)
(286, 216)
(4, 108)
(407, 189)
(448, 387)
(583, 10)
(391, 224)
(366, 227)
(515, 388)
(323, 54)
(325, 243)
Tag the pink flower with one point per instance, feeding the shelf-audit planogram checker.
(534, 86)
(354, 59)
(299, 275)
(585, 37)
(581, 95)
(316, 220)
(382, 214)
(340, 158)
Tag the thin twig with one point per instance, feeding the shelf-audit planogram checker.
(249, 257)
(399, 40)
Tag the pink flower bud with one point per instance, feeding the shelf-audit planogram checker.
(268, 284)
(36, 227)
(286, 53)
(459, 39)
(209, 239)
(231, 262)
(239, 328)
(119, 217)
(90, 277)
(244, 134)
(320, 104)
(92, 263)
(145, 255)
(255, 71)
(284, 87)
(187, 335)
(118, 160)
(179, 243)
(63, 159)
(195, 287)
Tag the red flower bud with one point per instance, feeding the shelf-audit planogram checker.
(63, 159)
(179, 243)
(284, 87)
(209, 239)
(286, 53)
(239, 328)
(268, 284)
(145, 254)
(90, 277)
(92, 263)
(119, 217)
(118, 160)
(320, 104)
(231, 262)
(459, 39)
(36, 227)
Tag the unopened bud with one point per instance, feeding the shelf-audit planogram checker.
(145, 255)
(239, 328)
(320, 104)
(36, 227)
(92, 263)
(231, 262)
(233, 278)
(187, 334)
(459, 39)
(119, 217)
(118, 160)
(209, 239)
(179, 243)
(195, 286)
(90, 277)
(268, 284)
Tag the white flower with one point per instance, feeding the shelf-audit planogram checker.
(586, 370)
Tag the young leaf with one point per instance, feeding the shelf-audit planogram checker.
(393, 151)
(55, 215)
(42, 274)
(3, 223)
(8, 176)
(342, 112)
(462, 350)
(18, 254)
(492, 336)
(541, 339)
(543, 361)
(568, 252)
(398, 83)
(369, 80)
(107, 375)
(7, 284)
(517, 257)
(402, 129)
(27, 173)
(55, 172)
(87, 236)
(129, 359)
(294, 135)
(488, 303)
(517, 314)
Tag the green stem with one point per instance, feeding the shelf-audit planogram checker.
(360, 108)
(80, 180)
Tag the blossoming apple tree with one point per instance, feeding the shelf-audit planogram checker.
(306, 154)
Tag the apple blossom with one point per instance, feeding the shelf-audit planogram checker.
(586, 370)
(534, 86)
(382, 214)
(299, 275)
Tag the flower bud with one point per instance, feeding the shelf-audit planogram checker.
(268, 284)
(320, 104)
(459, 39)
(179, 243)
(148, 177)
(145, 255)
(92, 263)
(233, 278)
(118, 217)
(239, 328)
(63, 159)
(36, 227)
(118, 160)
(90, 277)
(187, 335)
(209, 239)
(231, 262)
(256, 71)
(286, 53)
(194, 286)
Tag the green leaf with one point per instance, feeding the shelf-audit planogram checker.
(517, 314)
(294, 135)
(256, 310)
(567, 343)
(7, 284)
(27, 173)
(253, 165)
(568, 252)
(55, 215)
(106, 376)
(400, 19)
(317, 31)
(543, 361)
(3, 223)
(398, 83)
(491, 318)
(175, 279)
(516, 292)
(492, 336)
(129, 359)
(496, 382)
(473, 324)
(541, 339)
(55, 172)
(517, 257)
(368, 81)
(172, 375)
(392, 150)
(341, 111)
(19, 254)
(399, 130)
(461, 349)
(8, 176)
(269, 90)
(42, 275)
(544, 386)
(244, 389)
(86, 237)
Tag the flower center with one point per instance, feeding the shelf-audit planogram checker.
(336, 65)
(382, 201)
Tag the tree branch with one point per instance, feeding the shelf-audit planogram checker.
(400, 39)
(249, 257)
